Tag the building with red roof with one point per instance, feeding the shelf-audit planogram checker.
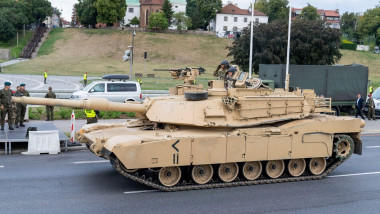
(231, 18)
(331, 17)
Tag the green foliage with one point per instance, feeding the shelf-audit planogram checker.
(37, 10)
(158, 21)
(7, 29)
(274, 9)
(311, 44)
(181, 21)
(348, 46)
(87, 12)
(111, 11)
(168, 11)
(48, 46)
(369, 23)
(135, 21)
(370, 41)
(309, 12)
(201, 12)
(64, 113)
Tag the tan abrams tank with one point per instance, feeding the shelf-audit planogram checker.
(195, 139)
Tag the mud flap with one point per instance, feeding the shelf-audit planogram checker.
(358, 147)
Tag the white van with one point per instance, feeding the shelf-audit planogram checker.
(115, 91)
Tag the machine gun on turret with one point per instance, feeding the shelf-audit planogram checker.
(188, 75)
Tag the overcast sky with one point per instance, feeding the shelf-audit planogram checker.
(343, 5)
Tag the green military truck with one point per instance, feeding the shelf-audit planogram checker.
(341, 83)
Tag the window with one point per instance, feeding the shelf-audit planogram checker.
(157, 11)
(235, 19)
(130, 10)
(234, 28)
(121, 87)
(245, 19)
(225, 18)
(176, 6)
(257, 20)
(224, 28)
(98, 88)
(146, 17)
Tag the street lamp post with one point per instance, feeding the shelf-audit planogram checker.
(131, 60)
(288, 48)
(251, 43)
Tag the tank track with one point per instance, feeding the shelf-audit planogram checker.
(334, 163)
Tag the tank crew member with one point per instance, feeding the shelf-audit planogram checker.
(371, 108)
(359, 106)
(50, 109)
(230, 77)
(222, 74)
(21, 108)
(45, 76)
(6, 105)
(92, 116)
(85, 79)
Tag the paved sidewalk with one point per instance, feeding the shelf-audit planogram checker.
(11, 62)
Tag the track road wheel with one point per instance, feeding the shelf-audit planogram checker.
(252, 170)
(202, 174)
(169, 176)
(343, 147)
(296, 167)
(317, 165)
(275, 168)
(228, 172)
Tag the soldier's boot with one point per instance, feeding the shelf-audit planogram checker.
(22, 125)
(2, 127)
(11, 128)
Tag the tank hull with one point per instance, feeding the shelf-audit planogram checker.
(306, 140)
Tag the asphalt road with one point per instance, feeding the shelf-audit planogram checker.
(80, 182)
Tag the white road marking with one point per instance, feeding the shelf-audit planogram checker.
(357, 174)
(77, 86)
(142, 191)
(370, 147)
(40, 84)
(1, 166)
(84, 162)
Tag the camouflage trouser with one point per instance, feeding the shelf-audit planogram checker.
(14, 113)
(7, 110)
(20, 114)
(371, 113)
(92, 120)
(50, 112)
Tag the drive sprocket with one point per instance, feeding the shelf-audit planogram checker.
(343, 146)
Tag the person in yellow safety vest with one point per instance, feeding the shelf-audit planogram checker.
(45, 76)
(139, 80)
(85, 79)
(92, 116)
(371, 89)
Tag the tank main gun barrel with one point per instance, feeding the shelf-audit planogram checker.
(101, 104)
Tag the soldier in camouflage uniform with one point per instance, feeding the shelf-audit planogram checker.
(14, 110)
(21, 108)
(371, 108)
(50, 109)
(222, 74)
(6, 105)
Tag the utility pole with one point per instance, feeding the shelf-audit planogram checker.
(131, 61)
(251, 43)
(288, 48)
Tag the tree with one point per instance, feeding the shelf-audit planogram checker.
(168, 11)
(348, 26)
(74, 16)
(111, 11)
(135, 21)
(87, 12)
(37, 10)
(309, 12)
(158, 21)
(274, 9)
(369, 24)
(311, 44)
(7, 29)
(181, 21)
(201, 12)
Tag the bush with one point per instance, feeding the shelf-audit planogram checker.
(347, 45)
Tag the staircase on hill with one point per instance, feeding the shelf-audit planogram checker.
(34, 44)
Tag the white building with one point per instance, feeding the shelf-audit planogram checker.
(233, 19)
(52, 21)
(133, 9)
